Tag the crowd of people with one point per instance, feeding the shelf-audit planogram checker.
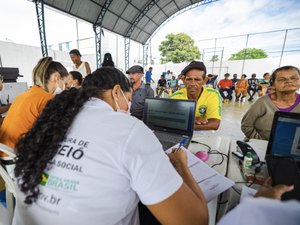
(84, 155)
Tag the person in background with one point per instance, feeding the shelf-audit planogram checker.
(161, 86)
(114, 161)
(241, 87)
(225, 85)
(140, 91)
(180, 81)
(252, 86)
(263, 84)
(149, 76)
(80, 66)
(75, 80)
(3, 107)
(173, 84)
(208, 108)
(107, 61)
(211, 81)
(234, 80)
(257, 121)
(49, 79)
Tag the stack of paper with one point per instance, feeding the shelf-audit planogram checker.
(210, 181)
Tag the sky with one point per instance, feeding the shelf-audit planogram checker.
(222, 18)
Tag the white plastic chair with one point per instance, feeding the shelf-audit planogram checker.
(6, 172)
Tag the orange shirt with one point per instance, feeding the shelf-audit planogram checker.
(242, 84)
(22, 114)
(225, 83)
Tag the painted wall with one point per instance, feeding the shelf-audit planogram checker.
(25, 58)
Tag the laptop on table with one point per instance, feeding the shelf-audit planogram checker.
(283, 152)
(170, 119)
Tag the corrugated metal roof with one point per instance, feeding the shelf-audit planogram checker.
(135, 19)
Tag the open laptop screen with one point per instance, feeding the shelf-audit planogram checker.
(170, 114)
(285, 135)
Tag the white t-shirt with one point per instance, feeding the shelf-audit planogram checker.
(81, 69)
(108, 162)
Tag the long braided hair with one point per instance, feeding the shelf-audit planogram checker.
(40, 144)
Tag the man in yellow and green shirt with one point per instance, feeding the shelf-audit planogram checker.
(208, 109)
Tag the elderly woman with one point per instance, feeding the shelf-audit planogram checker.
(257, 121)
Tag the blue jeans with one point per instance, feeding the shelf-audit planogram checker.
(228, 91)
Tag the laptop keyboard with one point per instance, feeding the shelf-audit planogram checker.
(166, 137)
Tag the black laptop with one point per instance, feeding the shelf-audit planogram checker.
(283, 152)
(171, 120)
(285, 135)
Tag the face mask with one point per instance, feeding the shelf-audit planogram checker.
(128, 105)
(57, 91)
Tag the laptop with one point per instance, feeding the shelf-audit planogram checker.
(171, 120)
(285, 135)
(283, 152)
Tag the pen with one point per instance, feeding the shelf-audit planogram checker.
(181, 143)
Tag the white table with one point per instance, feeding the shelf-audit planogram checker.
(215, 142)
(234, 173)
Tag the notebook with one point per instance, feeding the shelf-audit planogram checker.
(170, 119)
(283, 152)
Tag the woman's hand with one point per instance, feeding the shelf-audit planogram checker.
(268, 191)
(178, 158)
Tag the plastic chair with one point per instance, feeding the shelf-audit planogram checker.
(6, 172)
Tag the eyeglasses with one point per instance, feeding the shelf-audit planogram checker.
(285, 79)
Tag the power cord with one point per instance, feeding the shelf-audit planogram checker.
(200, 143)
(213, 152)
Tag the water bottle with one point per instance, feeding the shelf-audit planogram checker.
(248, 160)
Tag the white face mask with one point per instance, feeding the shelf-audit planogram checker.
(128, 105)
(58, 90)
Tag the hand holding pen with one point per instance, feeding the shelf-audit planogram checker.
(181, 143)
(179, 158)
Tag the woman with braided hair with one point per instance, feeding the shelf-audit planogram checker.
(87, 161)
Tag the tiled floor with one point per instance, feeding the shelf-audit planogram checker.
(232, 114)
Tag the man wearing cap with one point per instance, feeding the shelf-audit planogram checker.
(208, 109)
(140, 91)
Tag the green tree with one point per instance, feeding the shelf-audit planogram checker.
(178, 48)
(214, 58)
(249, 53)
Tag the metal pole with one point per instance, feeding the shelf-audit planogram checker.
(39, 7)
(150, 52)
(213, 61)
(127, 48)
(98, 43)
(282, 50)
(77, 35)
(245, 53)
(221, 60)
(117, 51)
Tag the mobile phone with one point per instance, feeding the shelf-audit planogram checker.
(284, 170)
(238, 155)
